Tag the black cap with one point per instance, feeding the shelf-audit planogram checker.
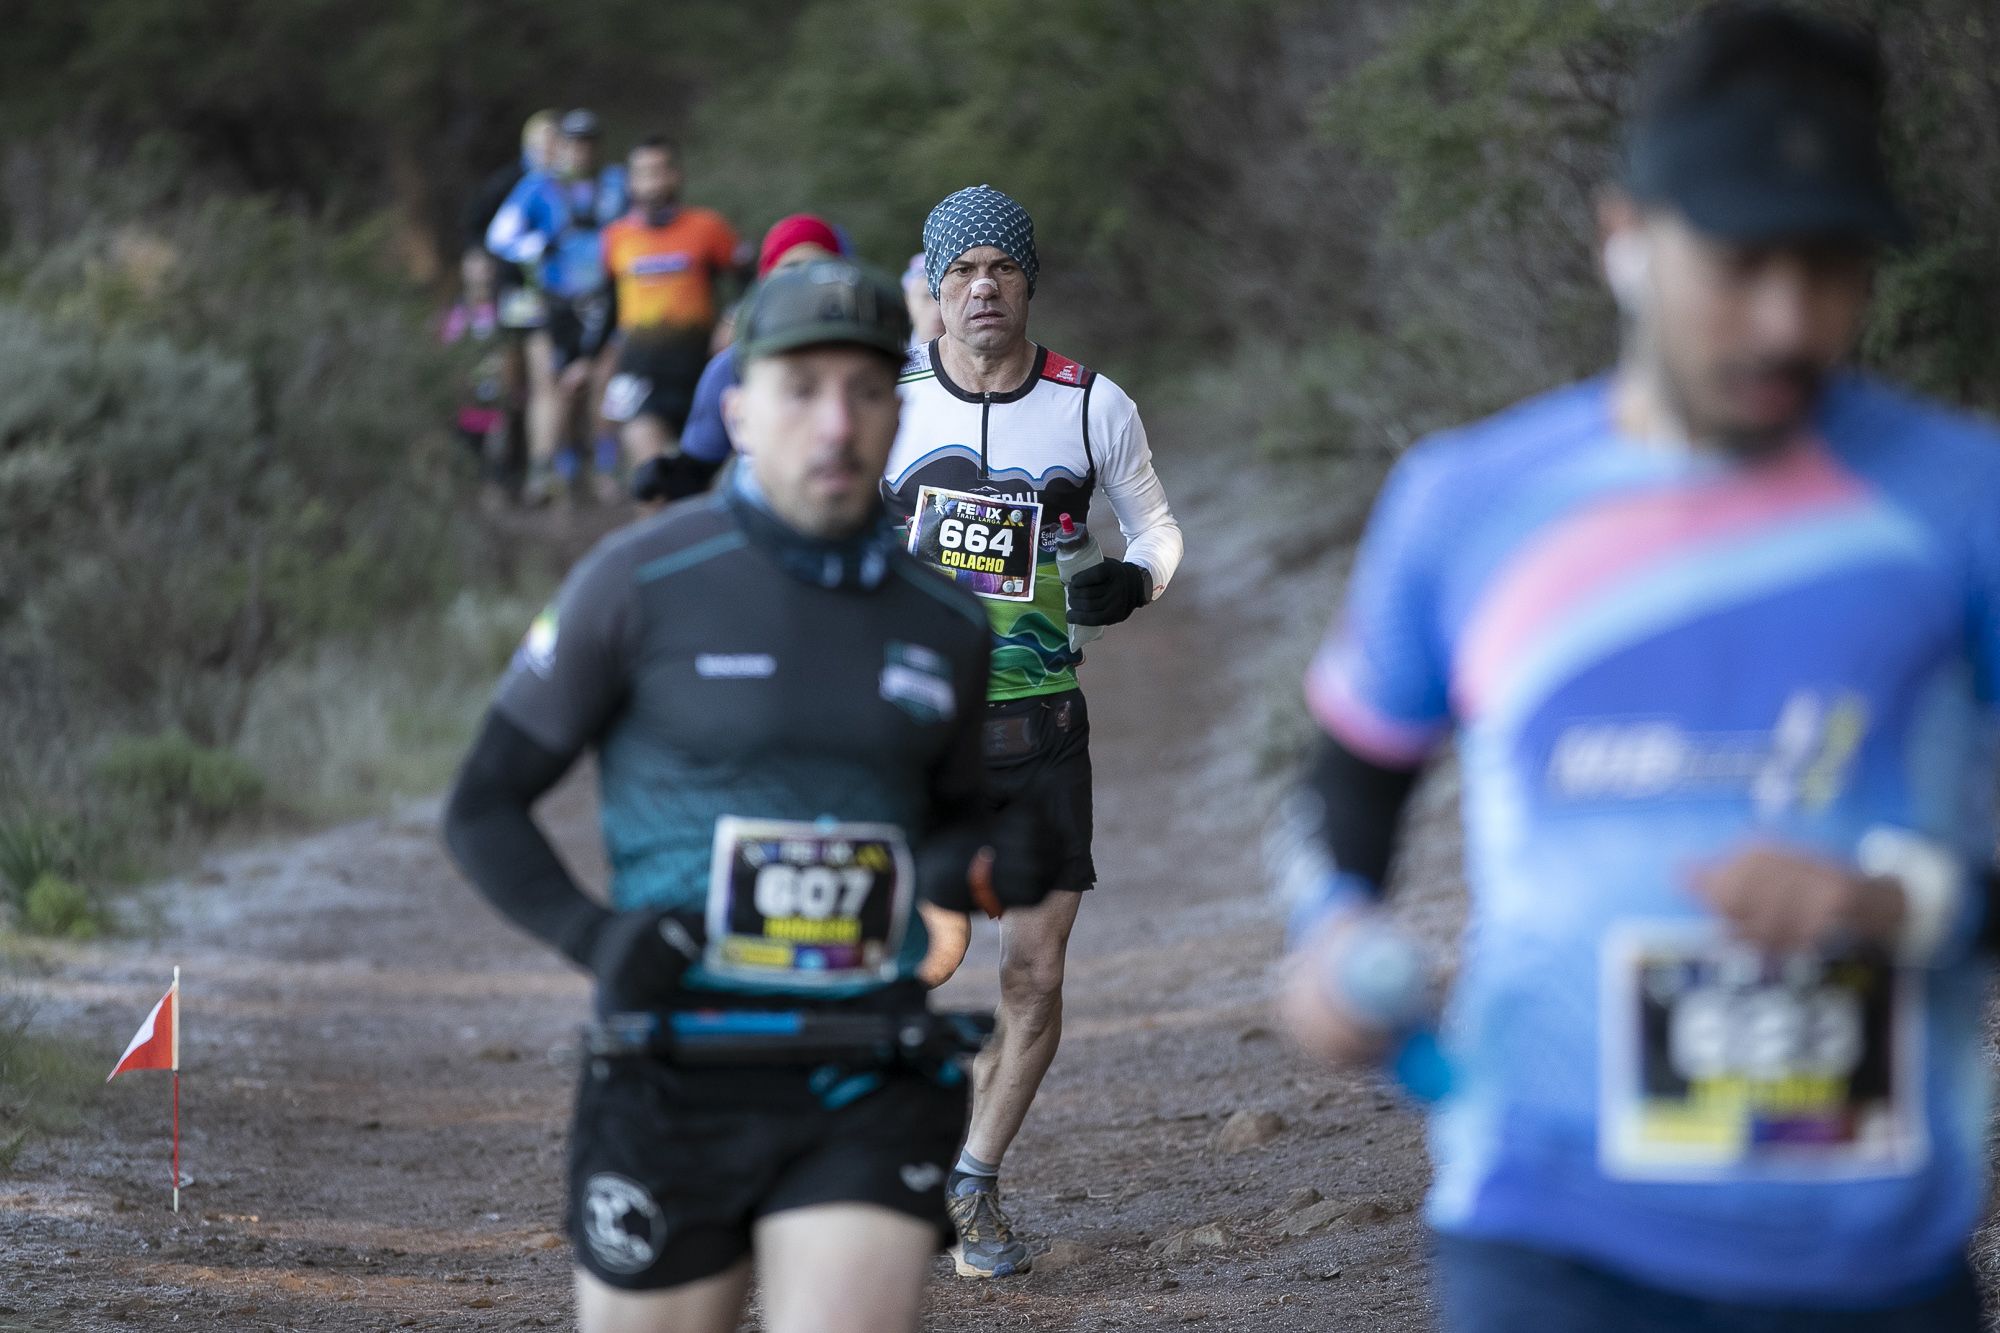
(580, 123)
(1761, 125)
(826, 301)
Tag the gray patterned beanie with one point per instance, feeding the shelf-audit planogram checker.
(975, 216)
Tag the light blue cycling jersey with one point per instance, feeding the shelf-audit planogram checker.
(555, 226)
(1650, 658)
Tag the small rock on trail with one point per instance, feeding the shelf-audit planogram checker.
(1065, 1254)
(1185, 1244)
(1303, 1197)
(1310, 1219)
(1379, 1209)
(1249, 1129)
(1357, 1213)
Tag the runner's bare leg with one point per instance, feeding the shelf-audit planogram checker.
(601, 371)
(843, 1268)
(646, 437)
(1033, 944)
(712, 1305)
(546, 402)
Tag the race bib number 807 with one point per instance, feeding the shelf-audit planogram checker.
(1720, 1061)
(799, 905)
(986, 544)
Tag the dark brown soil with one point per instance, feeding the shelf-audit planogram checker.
(378, 1071)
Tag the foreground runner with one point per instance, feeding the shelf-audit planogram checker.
(1000, 439)
(786, 715)
(1720, 640)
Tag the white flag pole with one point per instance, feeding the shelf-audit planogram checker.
(176, 1041)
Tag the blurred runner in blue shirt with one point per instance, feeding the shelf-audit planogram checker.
(1718, 637)
(552, 226)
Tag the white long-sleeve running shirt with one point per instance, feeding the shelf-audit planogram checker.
(1029, 457)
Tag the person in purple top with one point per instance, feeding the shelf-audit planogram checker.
(1717, 637)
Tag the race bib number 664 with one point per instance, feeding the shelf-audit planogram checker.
(986, 544)
(1719, 1061)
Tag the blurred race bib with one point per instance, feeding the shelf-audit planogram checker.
(986, 544)
(797, 905)
(1719, 1061)
(523, 308)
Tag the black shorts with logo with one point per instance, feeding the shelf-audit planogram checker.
(1038, 749)
(657, 375)
(671, 1168)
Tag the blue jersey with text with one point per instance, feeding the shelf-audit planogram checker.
(554, 226)
(1650, 658)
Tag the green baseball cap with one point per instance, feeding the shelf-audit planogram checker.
(826, 301)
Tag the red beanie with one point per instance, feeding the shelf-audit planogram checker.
(798, 229)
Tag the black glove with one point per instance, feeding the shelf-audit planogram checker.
(665, 479)
(1108, 592)
(1006, 861)
(640, 957)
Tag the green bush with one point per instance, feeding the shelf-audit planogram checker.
(220, 442)
(57, 908)
(30, 848)
(1488, 126)
(220, 449)
(355, 724)
(44, 1081)
(1122, 128)
(174, 779)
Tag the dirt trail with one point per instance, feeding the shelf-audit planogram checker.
(378, 1071)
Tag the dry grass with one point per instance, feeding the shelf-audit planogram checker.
(350, 728)
(44, 1082)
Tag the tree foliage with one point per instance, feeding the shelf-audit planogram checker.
(214, 447)
(347, 105)
(216, 386)
(1111, 120)
(1493, 123)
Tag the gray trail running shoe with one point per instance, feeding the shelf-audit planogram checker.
(986, 1245)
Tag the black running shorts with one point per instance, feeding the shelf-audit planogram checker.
(670, 1169)
(657, 375)
(1038, 750)
(566, 328)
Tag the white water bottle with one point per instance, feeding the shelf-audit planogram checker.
(1076, 550)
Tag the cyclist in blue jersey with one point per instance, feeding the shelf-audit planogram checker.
(551, 226)
(786, 715)
(538, 140)
(1718, 637)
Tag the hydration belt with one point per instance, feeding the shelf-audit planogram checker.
(710, 1037)
(1015, 728)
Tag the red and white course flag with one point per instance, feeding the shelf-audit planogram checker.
(158, 1043)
